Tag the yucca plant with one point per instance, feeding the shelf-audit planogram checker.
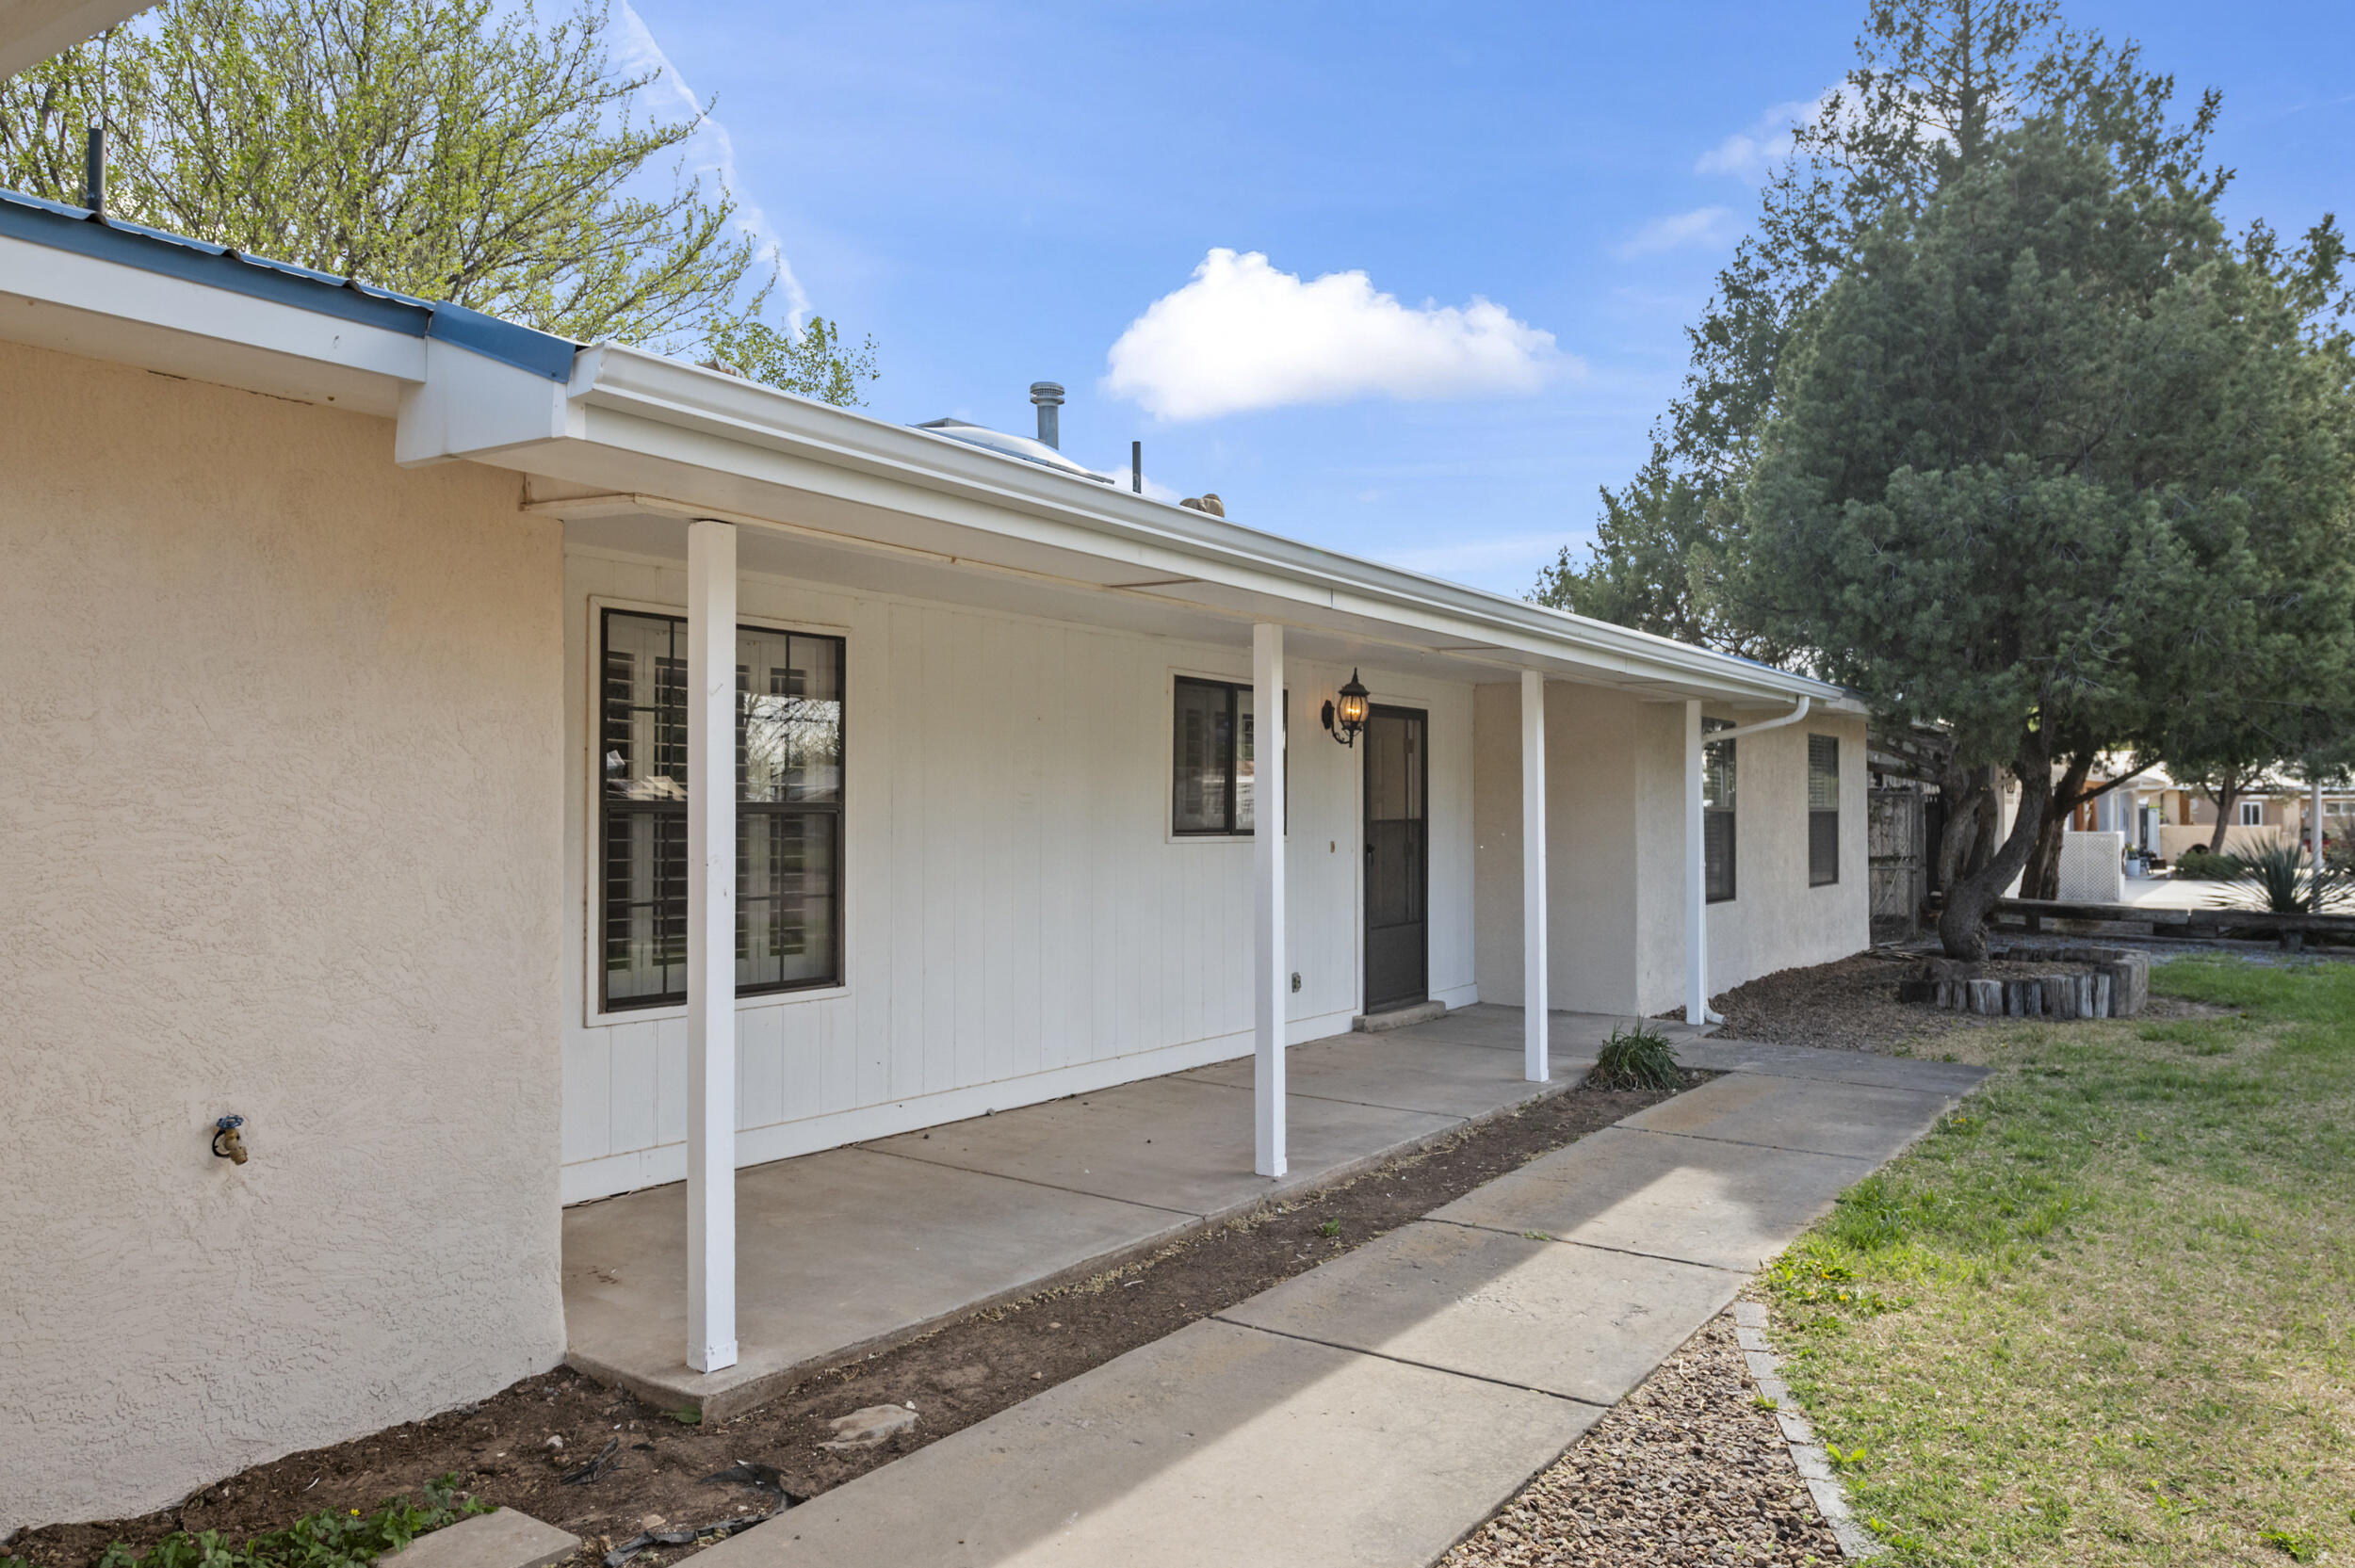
(2279, 878)
(1636, 1057)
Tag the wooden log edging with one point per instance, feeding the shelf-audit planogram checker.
(2115, 983)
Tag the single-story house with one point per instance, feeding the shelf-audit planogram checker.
(365, 656)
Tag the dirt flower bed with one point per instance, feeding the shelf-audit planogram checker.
(1689, 1469)
(514, 1450)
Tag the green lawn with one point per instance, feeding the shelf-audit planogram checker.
(2105, 1313)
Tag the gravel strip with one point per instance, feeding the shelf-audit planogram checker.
(1685, 1470)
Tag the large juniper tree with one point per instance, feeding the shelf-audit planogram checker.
(1935, 83)
(439, 148)
(2054, 461)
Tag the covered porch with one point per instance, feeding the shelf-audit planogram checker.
(957, 877)
(863, 1246)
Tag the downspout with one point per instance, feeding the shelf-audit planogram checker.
(1696, 871)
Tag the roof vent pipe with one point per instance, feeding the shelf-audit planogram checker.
(94, 172)
(1049, 396)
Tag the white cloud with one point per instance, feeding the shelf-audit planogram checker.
(1750, 153)
(1701, 229)
(1242, 335)
(710, 151)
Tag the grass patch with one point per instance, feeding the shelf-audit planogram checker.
(2105, 1313)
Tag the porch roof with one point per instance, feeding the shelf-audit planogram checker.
(626, 446)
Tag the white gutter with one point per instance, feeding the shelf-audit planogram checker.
(1695, 854)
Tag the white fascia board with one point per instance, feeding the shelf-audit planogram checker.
(746, 428)
(134, 297)
(471, 407)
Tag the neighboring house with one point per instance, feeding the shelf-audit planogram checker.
(2166, 819)
(356, 667)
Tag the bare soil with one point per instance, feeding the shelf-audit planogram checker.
(514, 1448)
(1686, 1470)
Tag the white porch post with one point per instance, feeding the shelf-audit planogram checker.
(1696, 876)
(1271, 983)
(710, 945)
(1534, 950)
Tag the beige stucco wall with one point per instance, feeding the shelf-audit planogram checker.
(278, 835)
(1775, 920)
(1615, 784)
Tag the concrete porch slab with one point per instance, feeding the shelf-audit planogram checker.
(835, 1251)
(1728, 1206)
(1579, 1321)
(1819, 1116)
(1176, 1143)
(1403, 1071)
(1217, 1444)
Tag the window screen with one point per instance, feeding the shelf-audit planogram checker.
(1823, 809)
(1212, 751)
(1718, 815)
(788, 810)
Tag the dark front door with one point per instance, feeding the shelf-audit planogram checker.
(1398, 859)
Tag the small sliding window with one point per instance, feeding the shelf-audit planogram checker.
(1210, 759)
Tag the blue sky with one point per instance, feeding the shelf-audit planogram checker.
(1001, 194)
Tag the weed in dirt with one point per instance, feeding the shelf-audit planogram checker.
(1636, 1057)
(330, 1538)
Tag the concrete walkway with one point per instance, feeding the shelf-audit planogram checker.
(843, 1252)
(1376, 1409)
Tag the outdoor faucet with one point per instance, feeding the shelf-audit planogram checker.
(226, 1143)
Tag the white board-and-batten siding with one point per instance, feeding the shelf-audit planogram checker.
(1020, 923)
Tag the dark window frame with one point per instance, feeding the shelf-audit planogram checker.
(1823, 822)
(611, 808)
(1234, 690)
(1717, 889)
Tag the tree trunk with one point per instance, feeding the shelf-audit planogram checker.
(1988, 809)
(1962, 924)
(2224, 799)
(1958, 787)
(2042, 880)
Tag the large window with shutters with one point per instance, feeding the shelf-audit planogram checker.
(1718, 815)
(1823, 809)
(788, 810)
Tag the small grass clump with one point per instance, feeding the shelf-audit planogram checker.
(1636, 1057)
(2106, 1312)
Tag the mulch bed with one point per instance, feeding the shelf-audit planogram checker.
(1851, 1005)
(1848, 1005)
(505, 1449)
(1685, 1470)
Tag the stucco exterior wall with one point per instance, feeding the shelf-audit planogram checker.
(1615, 852)
(1775, 920)
(279, 835)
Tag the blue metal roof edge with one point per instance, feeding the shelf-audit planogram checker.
(64, 228)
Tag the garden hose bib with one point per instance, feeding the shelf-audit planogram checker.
(227, 1143)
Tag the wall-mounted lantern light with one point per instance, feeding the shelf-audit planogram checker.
(1344, 721)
